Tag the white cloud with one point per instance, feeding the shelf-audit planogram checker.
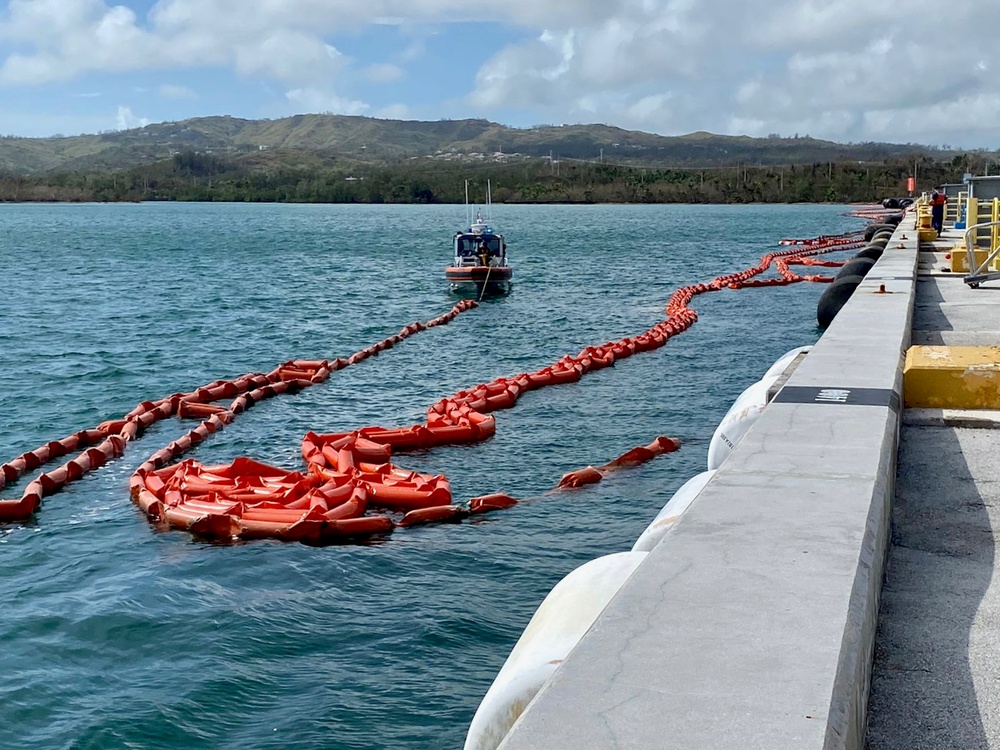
(291, 57)
(384, 73)
(394, 112)
(126, 120)
(39, 124)
(70, 38)
(845, 70)
(759, 67)
(416, 49)
(528, 75)
(651, 108)
(75, 38)
(318, 100)
(173, 91)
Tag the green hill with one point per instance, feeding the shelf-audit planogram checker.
(306, 139)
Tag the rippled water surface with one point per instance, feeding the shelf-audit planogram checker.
(118, 636)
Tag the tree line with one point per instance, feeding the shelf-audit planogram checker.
(193, 176)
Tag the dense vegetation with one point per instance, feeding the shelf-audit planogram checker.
(299, 177)
(341, 159)
(372, 140)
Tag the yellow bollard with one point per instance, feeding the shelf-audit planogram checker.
(925, 232)
(960, 258)
(952, 377)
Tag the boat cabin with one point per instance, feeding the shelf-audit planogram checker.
(468, 248)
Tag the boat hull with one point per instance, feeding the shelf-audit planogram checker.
(491, 278)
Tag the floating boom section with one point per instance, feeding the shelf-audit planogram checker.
(108, 440)
(356, 466)
(348, 474)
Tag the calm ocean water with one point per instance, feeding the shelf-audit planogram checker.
(117, 636)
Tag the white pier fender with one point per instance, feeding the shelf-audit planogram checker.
(556, 627)
(746, 410)
(668, 515)
(775, 370)
(742, 415)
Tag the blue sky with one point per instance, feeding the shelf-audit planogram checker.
(849, 70)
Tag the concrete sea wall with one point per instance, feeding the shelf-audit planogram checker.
(751, 625)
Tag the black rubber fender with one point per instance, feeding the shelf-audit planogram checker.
(893, 219)
(872, 229)
(880, 241)
(835, 297)
(856, 267)
(890, 203)
(872, 251)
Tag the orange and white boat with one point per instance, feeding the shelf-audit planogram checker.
(480, 260)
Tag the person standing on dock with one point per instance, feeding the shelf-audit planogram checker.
(938, 201)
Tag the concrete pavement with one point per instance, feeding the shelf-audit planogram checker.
(936, 676)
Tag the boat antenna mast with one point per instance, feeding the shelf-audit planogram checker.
(489, 201)
(468, 214)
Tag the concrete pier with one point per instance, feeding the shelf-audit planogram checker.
(752, 625)
(936, 678)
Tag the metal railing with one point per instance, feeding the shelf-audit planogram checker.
(981, 274)
(956, 215)
(982, 212)
(951, 209)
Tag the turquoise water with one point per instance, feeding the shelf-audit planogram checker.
(118, 636)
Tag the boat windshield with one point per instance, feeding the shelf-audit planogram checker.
(469, 245)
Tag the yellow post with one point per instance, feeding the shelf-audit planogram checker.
(972, 217)
(925, 233)
(994, 230)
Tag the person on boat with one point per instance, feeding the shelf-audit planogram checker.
(938, 201)
(483, 253)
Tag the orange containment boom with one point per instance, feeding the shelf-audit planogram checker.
(634, 457)
(108, 441)
(348, 474)
(361, 459)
